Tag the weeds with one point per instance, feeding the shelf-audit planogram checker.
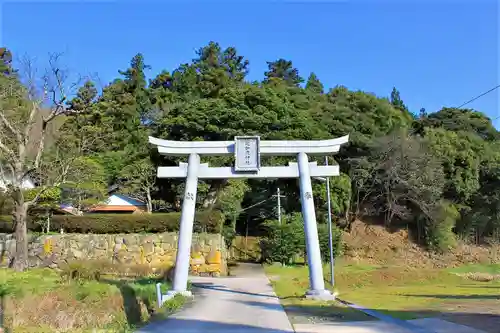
(80, 271)
(80, 298)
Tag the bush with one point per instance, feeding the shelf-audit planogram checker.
(440, 236)
(209, 221)
(80, 271)
(286, 241)
(283, 241)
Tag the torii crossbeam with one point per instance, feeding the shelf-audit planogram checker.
(247, 151)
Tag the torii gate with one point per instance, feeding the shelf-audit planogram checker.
(247, 151)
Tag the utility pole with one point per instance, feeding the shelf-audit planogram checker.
(279, 204)
(330, 231)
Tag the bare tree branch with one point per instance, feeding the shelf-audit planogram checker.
(9, 126)
(11, 156)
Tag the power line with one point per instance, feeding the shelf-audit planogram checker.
(479, 96)
(258, 203)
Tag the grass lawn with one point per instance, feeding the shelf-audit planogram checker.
(40, 300)
(402, 292)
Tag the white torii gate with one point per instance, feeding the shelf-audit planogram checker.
(247, 151)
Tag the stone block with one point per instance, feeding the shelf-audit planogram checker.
(167, 246)
(158, 240)
(214, 257)
(34, 261)
(170, 238)
(101, 254)
(197, 258)
(101, 243)
(159, 250)
(213, 268)
(130, 240)
(161, 261)
(148, 239)
(133, 248)
(10, 245)
(77, 254)
(148, 248)
(117, 247)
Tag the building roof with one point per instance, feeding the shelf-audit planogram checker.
(119, 202)
(109, 208)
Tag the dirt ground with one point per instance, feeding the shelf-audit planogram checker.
(374, 244)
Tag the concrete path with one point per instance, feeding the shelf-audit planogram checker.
(232, 304)
(428, 325)
(247, 303)
(443, 326)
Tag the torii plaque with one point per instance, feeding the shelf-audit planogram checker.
(247, 151)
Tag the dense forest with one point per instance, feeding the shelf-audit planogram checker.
(437, 174)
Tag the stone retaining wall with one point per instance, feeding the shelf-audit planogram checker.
(156, 251)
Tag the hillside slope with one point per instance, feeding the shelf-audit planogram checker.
(373, 243)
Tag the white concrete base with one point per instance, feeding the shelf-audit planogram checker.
(320, 295)
(172, 293)
(185, 293)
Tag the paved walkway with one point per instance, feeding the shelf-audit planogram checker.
(232, 304)
(428, 325)
(247, 303)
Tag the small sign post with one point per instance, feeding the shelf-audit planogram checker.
(247, 153)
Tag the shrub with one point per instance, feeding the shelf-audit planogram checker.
(209, 221)
(80, 271)
(283, 241)
(440, 236)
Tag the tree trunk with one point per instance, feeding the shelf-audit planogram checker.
(21, 233)
(213, 192)
(149, 201)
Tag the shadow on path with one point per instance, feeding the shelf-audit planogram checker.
(198, 326)
(479, 297)
(216, 287)
(212, 286)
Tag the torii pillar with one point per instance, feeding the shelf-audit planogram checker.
(247, 151)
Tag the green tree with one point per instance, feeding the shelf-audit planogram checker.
(139, 180)
(465, 120)
(283, 69)
(6, 61)
(314, 85)
(86, 185)
(285, 240)
(396, 100)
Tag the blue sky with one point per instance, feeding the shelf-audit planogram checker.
(437, 53)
